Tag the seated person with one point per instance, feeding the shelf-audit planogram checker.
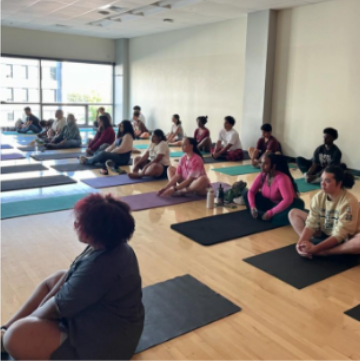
(104, 137)
(77, 314)
(228, 145)
(155, 161)
(274, 192)
(267, 144)
(68, 138)
(176, 135)
(324, 156)
(101, 112)
(202, 135)
(46, 126)
(116, 154)
(54, 127)
(332, 225)
(190, 175)
(140, 130)
(142, 117)
(32, 123)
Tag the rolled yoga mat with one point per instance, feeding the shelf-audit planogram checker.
(12, 156)
(178, 306)
(62, 155)
(72, 167)
(242, 169)
(38, 182)
(300, 272)
(354, 313)
(23, 168)
(306, 187)
(6, 146)
(39, 205)
(221, 228)
(139, 202)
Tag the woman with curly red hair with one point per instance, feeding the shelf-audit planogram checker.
(94, 310)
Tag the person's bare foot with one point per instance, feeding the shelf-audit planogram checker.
(134, 175)
(136, 151)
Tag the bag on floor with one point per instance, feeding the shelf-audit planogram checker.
(235, 191)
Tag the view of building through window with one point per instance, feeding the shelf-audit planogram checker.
(78, 88)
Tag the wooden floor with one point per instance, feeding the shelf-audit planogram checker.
(277, 321)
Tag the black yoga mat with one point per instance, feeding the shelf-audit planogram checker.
(354, 313)
(71, 167)
(38, 182)
(63, 155)
(215, 229)
(22, 168)
(178, 306)
(210, 160)
(300, 272)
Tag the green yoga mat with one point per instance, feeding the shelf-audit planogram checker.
(180, 154)
(306, 187)
(242, 169)
(38, 206)
(141, 146)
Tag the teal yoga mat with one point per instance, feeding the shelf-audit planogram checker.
(306, 187)
(180, 154)
(38, 206)
(141, 146)
(242, 169)
(8, 132)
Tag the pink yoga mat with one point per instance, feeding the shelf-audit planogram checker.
(143, 201)
(10, 156)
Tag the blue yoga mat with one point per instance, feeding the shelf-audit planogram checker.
(8, 132)
(180, 154)
(306, 187)
(38, 206)
(6, 146)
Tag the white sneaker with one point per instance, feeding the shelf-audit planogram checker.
(239, 200)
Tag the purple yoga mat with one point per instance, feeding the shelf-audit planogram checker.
(6, 146)
(113, 181)
(139, 202)
(10, 156)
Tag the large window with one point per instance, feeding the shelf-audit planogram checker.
(48, 85)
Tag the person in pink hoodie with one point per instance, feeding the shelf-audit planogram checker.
(274, 192)
(104, 137)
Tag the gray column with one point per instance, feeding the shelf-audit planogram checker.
(259, 74)
(121, 80)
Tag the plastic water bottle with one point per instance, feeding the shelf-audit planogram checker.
(36, 148)
(210, 198)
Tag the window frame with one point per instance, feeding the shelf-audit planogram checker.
(41, 104)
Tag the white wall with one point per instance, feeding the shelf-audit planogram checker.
(192, 72)
(317, 78)
(26, 42)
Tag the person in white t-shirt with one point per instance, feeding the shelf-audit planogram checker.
(176, 135)
(228, 145)
(156, 159)
(141, 116)
(54, 127)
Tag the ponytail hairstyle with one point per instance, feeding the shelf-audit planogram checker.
(160, 134)
(202, 119)
(177, 117)
(281, 166)
(340, 175)
(194, 143)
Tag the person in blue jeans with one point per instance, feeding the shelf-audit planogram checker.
(68, 138)
(32, 123)
(117, 154)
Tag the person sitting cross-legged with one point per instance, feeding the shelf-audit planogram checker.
(228, 145)
(104, 137)
(274, 192)
(324, 156)
(202, 135)
(93, 310)
(190, 175)
(117, 154)
(267, 144)
(332, 225)
(155, 161)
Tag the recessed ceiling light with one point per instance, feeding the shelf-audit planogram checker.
(168, 20)
(103, 12)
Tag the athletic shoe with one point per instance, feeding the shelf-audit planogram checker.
(110, 166)
(82, 159)
(3, 330)
(239, 200)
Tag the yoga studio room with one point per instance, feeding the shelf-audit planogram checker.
(179, 180)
